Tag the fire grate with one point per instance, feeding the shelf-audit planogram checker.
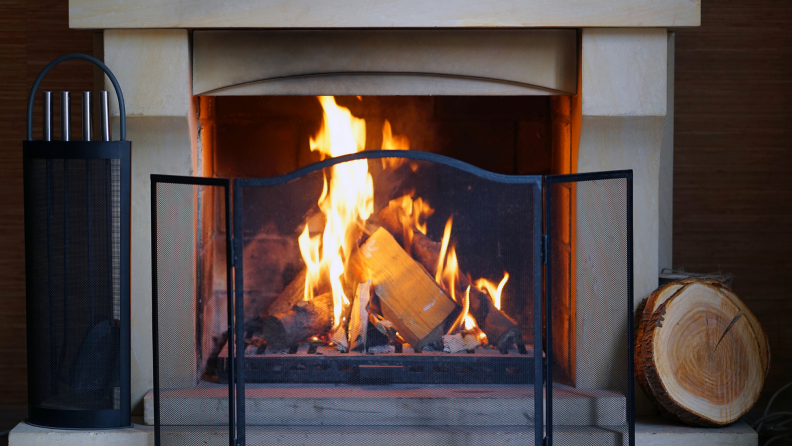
(315, 364)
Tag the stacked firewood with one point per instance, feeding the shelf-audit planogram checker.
(391, 278)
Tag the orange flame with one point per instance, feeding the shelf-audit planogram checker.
(443, 248)
(347, 200)
(415, 210)
(447, 277)
(493, 290)
(392, 142)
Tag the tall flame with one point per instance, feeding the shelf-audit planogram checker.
(493, 290)
(347, 200)
(393, 142)
(441, 261)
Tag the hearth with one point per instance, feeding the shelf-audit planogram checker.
(396, 268)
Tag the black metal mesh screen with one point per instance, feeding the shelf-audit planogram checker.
(430, 396)
(589, 227)
(73, 283)
(191, 317)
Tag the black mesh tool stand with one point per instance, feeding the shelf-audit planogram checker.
(77, 220)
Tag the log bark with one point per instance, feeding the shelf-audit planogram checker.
(645, 311)
(293, 293)
(501, 330)
(408, 296)
(303, 320)
(703, 353)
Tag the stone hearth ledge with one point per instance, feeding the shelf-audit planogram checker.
(649, 431)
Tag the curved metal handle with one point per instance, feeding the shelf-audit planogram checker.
(79, 56)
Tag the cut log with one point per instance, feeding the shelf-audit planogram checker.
(458, 342)
(293, 293)
(408, 296)
(303, 320)
(358, 320)
(385, 327)
(501, 330)
(295, 290)
(704, 354)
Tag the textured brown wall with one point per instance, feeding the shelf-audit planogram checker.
(32, 32)
(733, 163)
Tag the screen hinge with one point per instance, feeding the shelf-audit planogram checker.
(545, 245)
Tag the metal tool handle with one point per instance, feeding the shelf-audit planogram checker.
(93, 60)
(104, 120)
(65, 110)
(86, 115)
(46, 105)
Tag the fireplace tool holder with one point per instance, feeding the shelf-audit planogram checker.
(77, 220)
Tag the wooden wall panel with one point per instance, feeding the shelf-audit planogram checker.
(32, 32)
(733, 162)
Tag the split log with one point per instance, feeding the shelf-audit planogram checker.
(458, 342)
(501, 330)
(408, 296)
(385, 327)
(293, 293)
(295, 290)
(303, 320)
(704, 354)
(358, 319)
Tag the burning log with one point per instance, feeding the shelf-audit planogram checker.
(500, 329)
(408, 296)
(458, 342)
(358, 321)
(293, 293)
(303, 320)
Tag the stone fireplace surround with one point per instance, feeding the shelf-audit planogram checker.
(618, 70)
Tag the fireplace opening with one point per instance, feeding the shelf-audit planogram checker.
(267, 136)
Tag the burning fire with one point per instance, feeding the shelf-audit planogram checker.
(392, 142)
(347, 201)
(493, 290)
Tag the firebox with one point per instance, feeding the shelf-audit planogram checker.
(371, 278)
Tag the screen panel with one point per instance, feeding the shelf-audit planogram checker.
(589, 304)
(192, 310)
(495, 228)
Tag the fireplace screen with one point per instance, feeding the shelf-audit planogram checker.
(396, 290)
(191, 310)
(588, 225)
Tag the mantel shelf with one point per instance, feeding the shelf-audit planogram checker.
(106, 14)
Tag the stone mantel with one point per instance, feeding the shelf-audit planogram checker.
(108, 14)
(619, 63)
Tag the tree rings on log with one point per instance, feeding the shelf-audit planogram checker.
(700, 353)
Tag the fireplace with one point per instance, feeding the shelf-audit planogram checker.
(439, 291)
(259, 136)
(604, 72)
